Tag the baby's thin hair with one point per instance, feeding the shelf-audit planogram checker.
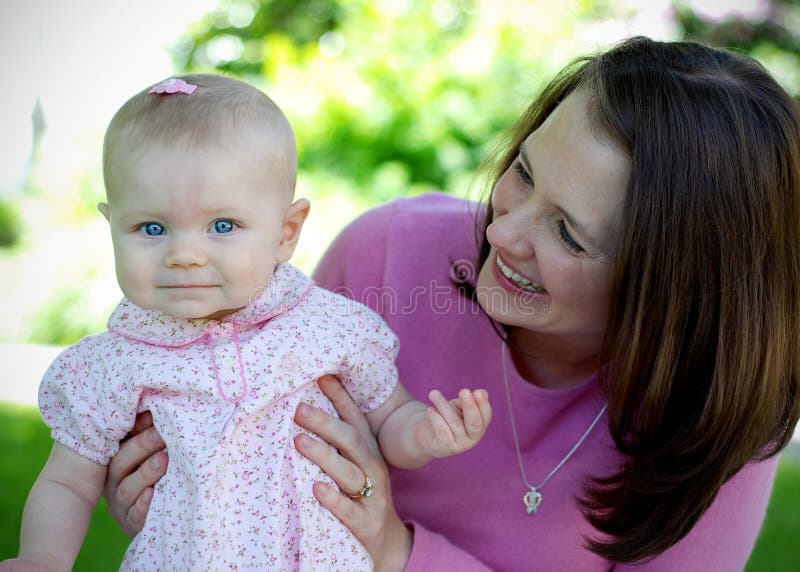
(218, 112)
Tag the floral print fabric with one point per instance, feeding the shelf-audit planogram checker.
(236, 495)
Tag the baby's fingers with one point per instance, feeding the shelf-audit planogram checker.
(474, 422)
(442, 434)
(448, 412)
(482, 399)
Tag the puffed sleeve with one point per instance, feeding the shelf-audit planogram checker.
(86, 400)
(353, 267)
(724, 537)
(369, 374)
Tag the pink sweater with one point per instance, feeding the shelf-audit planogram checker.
(467, 510)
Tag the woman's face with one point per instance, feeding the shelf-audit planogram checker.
(556, 218)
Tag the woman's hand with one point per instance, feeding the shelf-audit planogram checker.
(132, 473)
(348, 454)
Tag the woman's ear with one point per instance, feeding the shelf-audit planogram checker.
(290, 231)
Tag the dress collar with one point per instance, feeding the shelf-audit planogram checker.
(287, 288)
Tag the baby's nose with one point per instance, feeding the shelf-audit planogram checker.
(184, 252)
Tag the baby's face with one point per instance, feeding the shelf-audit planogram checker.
(197, 232)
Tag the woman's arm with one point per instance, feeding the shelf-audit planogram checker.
(349, 452)
(132, 472)
(59, 509)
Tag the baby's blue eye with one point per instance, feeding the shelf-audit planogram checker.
(152, 229)
(223, 226)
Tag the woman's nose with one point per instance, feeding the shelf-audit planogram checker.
(512, 227)
(505, 194)
(512, 232)
(184, 252)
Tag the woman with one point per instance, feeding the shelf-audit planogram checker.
(641, 273)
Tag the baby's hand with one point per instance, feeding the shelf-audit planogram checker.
(454, 426)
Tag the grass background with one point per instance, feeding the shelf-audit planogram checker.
(25, 440)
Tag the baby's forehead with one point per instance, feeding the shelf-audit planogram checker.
(263, 134)
(251, 144)
(253, 160)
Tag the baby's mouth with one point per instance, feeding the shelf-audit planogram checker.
(523, 283)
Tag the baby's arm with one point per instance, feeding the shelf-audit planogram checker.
(59, 509)
(411, 433)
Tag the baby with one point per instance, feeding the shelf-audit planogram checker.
(221, 339)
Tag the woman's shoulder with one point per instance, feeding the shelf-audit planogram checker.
(427, 214)
(406, 237)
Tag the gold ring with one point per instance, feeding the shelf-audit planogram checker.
(366, 490)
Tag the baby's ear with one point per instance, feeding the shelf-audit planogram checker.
(103, 208)
(292, 225)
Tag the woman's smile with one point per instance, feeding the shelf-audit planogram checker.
(525, 284)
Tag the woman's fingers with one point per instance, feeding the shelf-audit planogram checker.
(345, 474)
(351, 434)
(143, 421)
(132, 497)
(354, 513)
(348, 452)
(344, 508)
(138, 512)
(132, 472)
(348, 411)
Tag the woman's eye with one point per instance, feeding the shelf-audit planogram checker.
(152, 229)
(567, 238)
(223, 226)
(523, 174)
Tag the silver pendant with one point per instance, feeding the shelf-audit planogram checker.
(532, 500)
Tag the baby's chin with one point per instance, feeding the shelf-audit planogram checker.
(186, 310)
(204, 314)
(218, 315)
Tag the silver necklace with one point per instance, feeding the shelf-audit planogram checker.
(533, 498)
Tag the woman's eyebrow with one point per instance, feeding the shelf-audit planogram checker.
(582, 232)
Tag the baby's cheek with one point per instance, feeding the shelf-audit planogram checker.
(136, 283)
(249, 288)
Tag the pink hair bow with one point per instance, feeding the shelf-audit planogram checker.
(173, 85)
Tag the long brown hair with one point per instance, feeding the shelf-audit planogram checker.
(702, 346)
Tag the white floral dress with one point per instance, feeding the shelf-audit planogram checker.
(236, 495)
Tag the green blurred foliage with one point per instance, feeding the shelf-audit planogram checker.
(403, 96)
(776, 549)
(26, 442)
(63, 320)
(776, 26)
(398, 97)
(770, 33)
(10, 224)
(397, 111)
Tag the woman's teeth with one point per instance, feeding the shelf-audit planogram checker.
(521, 281)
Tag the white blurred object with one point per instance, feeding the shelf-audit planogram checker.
(720, 9)
(23, 366)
